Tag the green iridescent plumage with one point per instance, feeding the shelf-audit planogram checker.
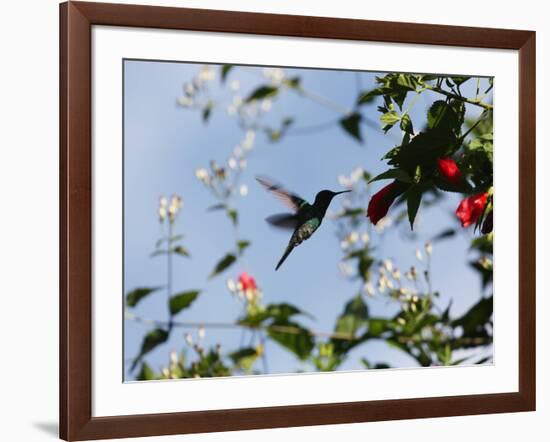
(305, 219)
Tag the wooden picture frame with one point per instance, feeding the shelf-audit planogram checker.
(76, 21)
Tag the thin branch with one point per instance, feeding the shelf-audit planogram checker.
(227, 325)
(460, 98)
(324, 101)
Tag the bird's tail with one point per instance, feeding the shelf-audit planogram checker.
(289, 249)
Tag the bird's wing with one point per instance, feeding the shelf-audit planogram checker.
(283, 220)
(293, 201)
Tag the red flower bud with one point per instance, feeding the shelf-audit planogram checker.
(380, 203)
(449, 170)
(247, 282)
(471, 208)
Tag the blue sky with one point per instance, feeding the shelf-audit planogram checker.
(165, 144)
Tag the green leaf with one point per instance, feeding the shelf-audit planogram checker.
(225, 70)
(293, 82)
(414, 196)
(299, 341)
(351, 125)
(179, 250)
(348, 212)
(355, 316)
(136, 295)
(447, 117)
(388, 119)
(436, 112)
(245, 358)
(150, 341)
(377, 326)
(283, 311)
(223, 264)
(242, 245)
(459, 80)
(262, 92)
(407, 81)
(216, 207)
(445, 234)
(207, 110)
(146, 373)
(368, 96)
(474, 320)
(406, 124)
(233, 216)
(182, 301)
(277, 312)
(397, 174)
(170, 240)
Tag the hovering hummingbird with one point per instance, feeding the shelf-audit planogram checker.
(305, 219)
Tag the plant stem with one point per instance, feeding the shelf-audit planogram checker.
(323, 100)
(448, 94)
(228, 325)
(169, 276)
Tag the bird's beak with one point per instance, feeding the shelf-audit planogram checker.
(343, 191)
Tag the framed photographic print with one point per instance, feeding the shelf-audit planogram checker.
(273, 220)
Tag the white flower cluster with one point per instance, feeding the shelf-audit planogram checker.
(198, 83)
(170, 209)
(218, 175)
(351, 180)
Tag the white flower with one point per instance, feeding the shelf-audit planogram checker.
(428, 248)
(189, 89)
(369, 289)
(232, 163)
(345, 268)
(243, 190)
(344, 181)
(231, 285)
(418, 254)
(202, 174)
(201, 332)
(237, 152)
(188, 338)
(235, 85)
(249, 138)
(206, 74)
(185, 101)
(356, 174)
(383, 224)
(276, 75)
(388, 265)
(242, 163)
(266, 105)
(173, 357)
(365, 237)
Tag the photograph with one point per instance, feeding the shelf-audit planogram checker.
(281, 220)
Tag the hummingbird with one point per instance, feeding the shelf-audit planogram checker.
(305, 218)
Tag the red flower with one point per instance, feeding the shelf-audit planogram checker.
(471, 208)
(247, 282)
(449, 170)
(380, 203)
